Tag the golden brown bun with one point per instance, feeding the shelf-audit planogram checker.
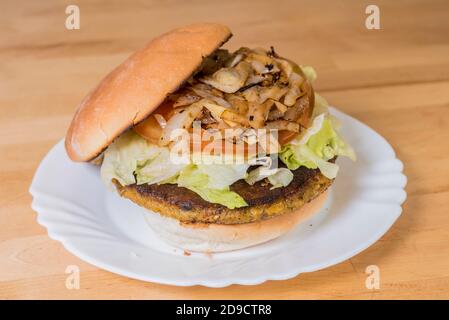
(135, 88)
(221, 237)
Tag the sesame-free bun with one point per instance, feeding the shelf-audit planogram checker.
(202, 237)
(139, 85)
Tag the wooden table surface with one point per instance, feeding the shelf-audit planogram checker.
(395, 79)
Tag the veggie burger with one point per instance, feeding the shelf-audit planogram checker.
(224, 149)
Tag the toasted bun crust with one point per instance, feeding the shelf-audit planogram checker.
(220, 237)
(138, 86)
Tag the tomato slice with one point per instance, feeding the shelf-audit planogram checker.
(222, 147)
(165, 109)
(285, 136)
(150, 128)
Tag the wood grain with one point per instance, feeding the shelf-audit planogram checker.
(395, 79)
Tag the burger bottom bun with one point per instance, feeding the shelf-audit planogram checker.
(202, 237)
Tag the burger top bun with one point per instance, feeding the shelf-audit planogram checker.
(139, 85)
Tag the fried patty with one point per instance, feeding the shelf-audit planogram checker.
(188, 207)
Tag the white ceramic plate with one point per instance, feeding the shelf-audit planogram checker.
(107, 231)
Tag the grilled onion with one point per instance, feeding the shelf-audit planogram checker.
(283, 125)
(208, 95)
(258, 113)
(248, 88)
(229, 80)
(181, 120)
(185, 100)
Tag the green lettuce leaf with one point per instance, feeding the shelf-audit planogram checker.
(158, 169)
(224, 197)
(309, 72)
(281, 178)
(222, 175)
(195, 178)
(301, 155)
(131, 159)
(278, 177)
(315, 147)
(327, 143)
(321, 106)
(126, 154)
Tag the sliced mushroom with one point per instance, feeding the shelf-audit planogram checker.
(292, 95)
(209, 95)
(280, 106)
(221, 113)
(307, 110)
(258, 66)
(185, 100)
(258, 113)
(239, 104)
(295, 112)
(254, 79)
(271, 79)
(234, 117)
(283, 125)
(285, 66)
(251, 94)
(232, 62)
(274, 93)
(206, 117)
(215, 61)
(237, 56)
(294, 92)
(181, 120)
(261, 63)
(229, 80)
(259, 55)
(275, 114)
